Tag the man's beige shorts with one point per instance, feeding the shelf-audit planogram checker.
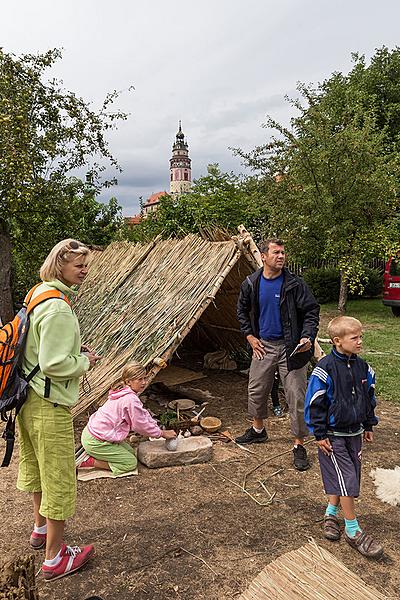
(261, 378)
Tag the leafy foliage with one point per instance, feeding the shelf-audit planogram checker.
(222, 200)
(336, 195)
(76, 214)
(325, 283)
(46, 134)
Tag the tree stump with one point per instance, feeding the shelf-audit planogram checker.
(17, 579)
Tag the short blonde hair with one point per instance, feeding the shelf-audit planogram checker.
(62, 253)
(339, 326)
(133, 370)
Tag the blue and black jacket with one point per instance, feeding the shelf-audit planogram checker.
(340, 396)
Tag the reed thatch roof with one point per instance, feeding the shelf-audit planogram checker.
(309, 572)
(139, 302)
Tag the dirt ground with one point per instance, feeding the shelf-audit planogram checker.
(189, 532)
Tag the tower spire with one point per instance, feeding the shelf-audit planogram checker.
(180, 165)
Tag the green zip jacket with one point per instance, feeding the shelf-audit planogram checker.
(54, 342)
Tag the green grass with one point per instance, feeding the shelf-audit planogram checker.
(381, 334)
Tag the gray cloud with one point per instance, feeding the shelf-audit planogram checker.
(220, 66)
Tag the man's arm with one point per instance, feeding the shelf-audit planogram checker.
(243, 309)
(309, 308)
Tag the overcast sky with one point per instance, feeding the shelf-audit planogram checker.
(219, 65)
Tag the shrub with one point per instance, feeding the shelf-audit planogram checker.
(324, 283)
(373, 283)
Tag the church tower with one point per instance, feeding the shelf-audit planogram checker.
(180, 166)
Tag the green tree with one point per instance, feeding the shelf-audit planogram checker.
(46, 134)
(330, 181)
(75, 213)
(374, 86)
(216, 200)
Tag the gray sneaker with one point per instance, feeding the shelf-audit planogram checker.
(365, 544)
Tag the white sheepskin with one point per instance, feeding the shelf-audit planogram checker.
(387, 482)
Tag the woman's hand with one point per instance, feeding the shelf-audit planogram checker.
(93, 358)
(368, 436)
(85, 348)
(168, 434)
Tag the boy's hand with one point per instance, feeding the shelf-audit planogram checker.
(325, 446)
(168, 434)
(368, 436)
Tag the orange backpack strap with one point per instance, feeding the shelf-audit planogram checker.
(46, 296)
(30, 294)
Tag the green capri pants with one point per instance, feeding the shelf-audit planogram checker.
(47, 455)
(120, 456)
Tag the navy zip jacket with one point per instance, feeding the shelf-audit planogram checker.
(340, 396)
(299, 313)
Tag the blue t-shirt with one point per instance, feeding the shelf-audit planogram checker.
(269, 297)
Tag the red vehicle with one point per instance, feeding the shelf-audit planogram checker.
(391, 284)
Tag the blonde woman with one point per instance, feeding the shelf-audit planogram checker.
(104, 436)
(47, 462)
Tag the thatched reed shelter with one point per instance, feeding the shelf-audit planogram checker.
(141, 301)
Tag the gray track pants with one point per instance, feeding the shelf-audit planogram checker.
(261, 378)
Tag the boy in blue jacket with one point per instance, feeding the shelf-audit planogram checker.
(340, 412)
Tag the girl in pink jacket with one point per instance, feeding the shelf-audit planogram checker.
(104, 436)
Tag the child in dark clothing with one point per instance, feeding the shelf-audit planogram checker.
(276, 406)
(340, 412)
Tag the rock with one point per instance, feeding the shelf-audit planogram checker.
(171, 444)
(189, 452)
(196, 430)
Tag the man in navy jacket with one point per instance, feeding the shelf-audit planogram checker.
(279, 316)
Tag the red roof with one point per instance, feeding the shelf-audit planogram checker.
(155, 198)
(135, 220)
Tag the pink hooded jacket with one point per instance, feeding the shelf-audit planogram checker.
(121, 413)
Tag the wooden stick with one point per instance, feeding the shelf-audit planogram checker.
(269, 460)
(248, 240)
(242, 488)
(199, 558)
(228, 435)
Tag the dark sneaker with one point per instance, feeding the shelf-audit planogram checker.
(300, 458)
(365, 544)
(277, 410)
(331, 528)
(251, 436)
